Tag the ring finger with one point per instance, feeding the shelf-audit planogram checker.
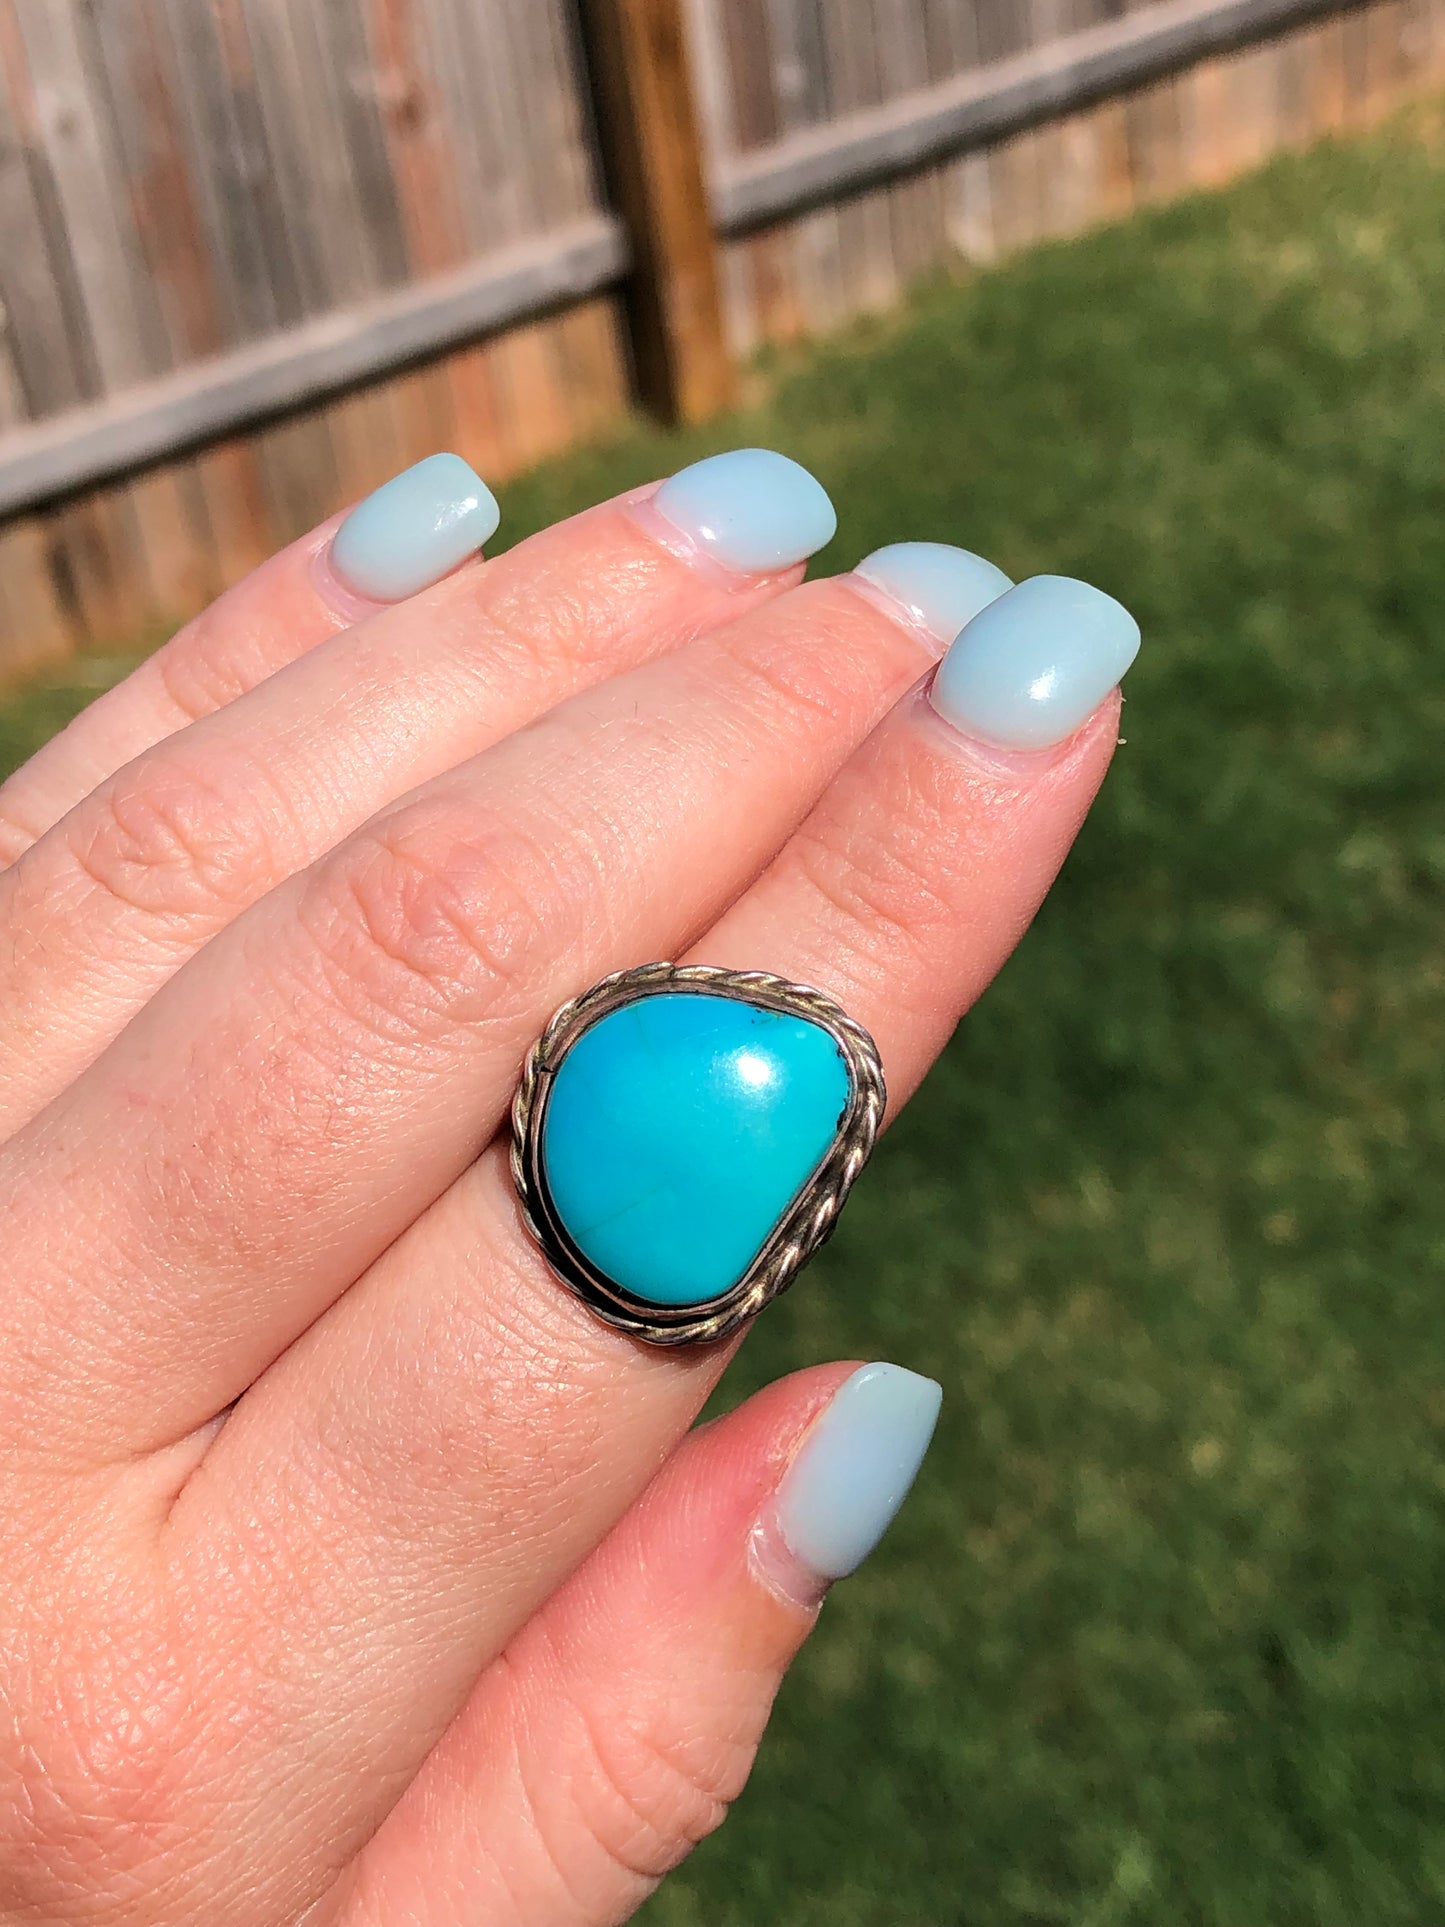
(283, 1109)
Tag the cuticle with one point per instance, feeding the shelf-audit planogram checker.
(889, 605)
(641, 511)
(998, 760)
(337, 593)
(776, 1568)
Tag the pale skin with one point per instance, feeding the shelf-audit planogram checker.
(350, 1570)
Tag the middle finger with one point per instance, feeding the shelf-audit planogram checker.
(134, 879)
(290, 1102)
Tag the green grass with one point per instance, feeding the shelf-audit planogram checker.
(1160, 1637)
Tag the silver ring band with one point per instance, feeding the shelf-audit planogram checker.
(800, 1228)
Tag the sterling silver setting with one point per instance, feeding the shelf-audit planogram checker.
(809, 1219)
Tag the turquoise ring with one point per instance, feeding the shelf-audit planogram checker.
(683, 1140)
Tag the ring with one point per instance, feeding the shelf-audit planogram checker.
(683, 1139)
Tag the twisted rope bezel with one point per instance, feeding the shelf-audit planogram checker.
(808, 1221)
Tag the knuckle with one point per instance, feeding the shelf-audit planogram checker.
(97, 1768)
(180, 842)
(646, 1794)
(429, 921)
(824, 657)
(15, 837)
(877, 882)
(512, 631)
(794, 682)
(206, 666)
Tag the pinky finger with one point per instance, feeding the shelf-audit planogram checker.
(612, 1735)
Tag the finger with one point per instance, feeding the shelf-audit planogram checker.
(143, 872)
(465, 1428)
(908, 887)
(636, 1698)
(282, 1110)
(412, 531)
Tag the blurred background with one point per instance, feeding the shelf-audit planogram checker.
(1148, 294)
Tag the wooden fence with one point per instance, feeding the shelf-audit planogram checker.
(255, 255)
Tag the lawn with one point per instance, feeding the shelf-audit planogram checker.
(1160, 1638)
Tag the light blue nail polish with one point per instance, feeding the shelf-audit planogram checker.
(939, 586)
(1032, 667)
(840, 1494)
(415, 529)
(751, 510)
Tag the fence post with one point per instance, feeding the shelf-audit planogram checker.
(647, 125)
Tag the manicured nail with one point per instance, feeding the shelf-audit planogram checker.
(840, 1494)
(939, 588)
(1033, 666)
(751, 510)
(415, 529)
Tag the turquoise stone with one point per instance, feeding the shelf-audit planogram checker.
(678, 1131)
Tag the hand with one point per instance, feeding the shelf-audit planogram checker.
(351, 1568)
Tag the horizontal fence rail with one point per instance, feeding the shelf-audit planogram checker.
(220, 395)
(214, 397)
(877, 144)
(258, 255)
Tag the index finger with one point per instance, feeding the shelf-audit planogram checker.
(405, 535)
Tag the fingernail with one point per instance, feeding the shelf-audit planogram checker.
(415, 529)
(840, 1494)
(751, 510)
(1033, 666)
(938, 588)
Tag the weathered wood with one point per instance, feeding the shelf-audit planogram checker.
(77, 141)
(712, 80)
(970, 208)
(865, 224)
(36, 628)
(228, 214)
(299, 105)
(53, 357)
(284, 370)
(214, 527)
(95, 546)
(1155, 135)
(1001, 99)
(653, 160)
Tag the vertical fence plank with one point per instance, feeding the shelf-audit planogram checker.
(224, 512)
(712, 81)
(1154, 130)
(651, 142)
(464, 99)
(915, 206)
(35, 627)
(46, 339)
(419, 136)
(969, 209)
(172, 513)
(299, 110)
(538, 365)
(805, 259)
(96, 550)
(759, 277)
(78, 147)
(37, 624)
(865, 224)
